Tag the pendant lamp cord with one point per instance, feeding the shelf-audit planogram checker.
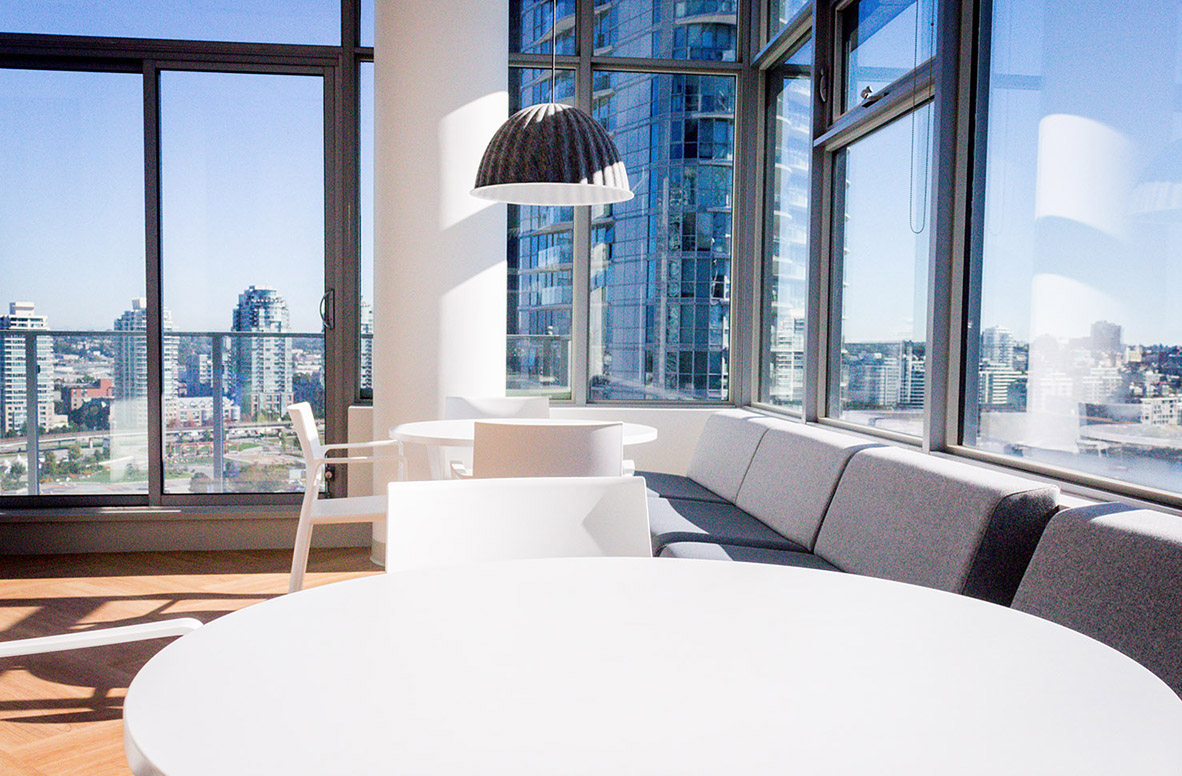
(918, 228)
(553, 46)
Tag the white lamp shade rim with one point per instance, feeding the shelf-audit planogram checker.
(554, 194)
(552, 154)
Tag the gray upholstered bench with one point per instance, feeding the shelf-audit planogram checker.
(838, 503)
(1113, 573)
(721, 457)
(774, 498)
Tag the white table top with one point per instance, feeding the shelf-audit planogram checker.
(635, 666)
(459, 433)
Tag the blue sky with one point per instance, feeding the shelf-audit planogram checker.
(71, 205)
(255, 21)
(242, 194)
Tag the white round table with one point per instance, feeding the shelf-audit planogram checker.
(459, 433)
(634, 666)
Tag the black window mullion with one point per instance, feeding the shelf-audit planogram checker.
(153, 290)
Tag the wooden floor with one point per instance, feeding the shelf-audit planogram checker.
(61, 713)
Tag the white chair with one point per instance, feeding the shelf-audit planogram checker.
(99, 637)
(316, 511)
(449, 522)
(525, 449)
(458, 460)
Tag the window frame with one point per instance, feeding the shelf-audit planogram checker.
(339, 67)
(585, 63)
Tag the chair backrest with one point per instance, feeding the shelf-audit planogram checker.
(465, 407)
(1113, 573)
(724, 451)
(447, 522)
(524, 448)
(793, 475)
(900, 514)
(304, 424)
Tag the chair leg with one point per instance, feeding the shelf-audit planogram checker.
(303, 541)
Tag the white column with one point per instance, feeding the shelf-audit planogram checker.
(441, 77)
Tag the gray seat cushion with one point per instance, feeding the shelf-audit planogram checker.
(678, 486)
(900, 514)
(1115, 574)
(793, 475)
(724, 450)
(678, 520)
(702, 551)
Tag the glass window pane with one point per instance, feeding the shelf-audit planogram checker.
(540, 254)
(786, 261)
(1078, 358)
(660, 263)
(254, 21)
(780, 12)
(881, 238)
(367, 22)
(365, 224)
(71, 261)
(885, 40)
(242, 165)
(532, 27)
(685, 29)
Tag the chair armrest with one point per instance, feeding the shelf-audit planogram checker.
(354, 445)
(629, 467)
(459, 471)
(357, 459)
(99, 637)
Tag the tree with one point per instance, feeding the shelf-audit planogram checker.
(93, 415)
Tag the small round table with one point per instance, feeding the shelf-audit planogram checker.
(642, 666)
(459, 433)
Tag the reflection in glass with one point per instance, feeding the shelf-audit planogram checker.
(243, 271)
(663, 29)
(882, 228)
(255, 21)
(71, 258)
(1078, 345)
(780, 12)
(532, 26)
(787, 237)
(885, 40)
(540, 258)
(660, 263)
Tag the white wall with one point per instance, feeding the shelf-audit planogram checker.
(677, 432)
(441, 75)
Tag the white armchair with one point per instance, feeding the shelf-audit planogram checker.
(318, 511)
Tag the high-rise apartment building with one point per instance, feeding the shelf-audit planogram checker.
(660, 264)
(997, 346)
(14, 365)
(1106, 337)
(129, 409)
(787, 286)
(262, 364)
(366, 345)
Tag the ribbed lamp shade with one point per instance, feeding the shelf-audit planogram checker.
(552, 154)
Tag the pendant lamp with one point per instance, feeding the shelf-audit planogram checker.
(552, 154)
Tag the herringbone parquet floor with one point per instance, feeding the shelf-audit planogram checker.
(61, 713)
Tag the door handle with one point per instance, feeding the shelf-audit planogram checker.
(327, 309)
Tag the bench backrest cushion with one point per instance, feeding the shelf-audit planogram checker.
(1115, 574)
(724, 451)
(900, 514)
(793, 476)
